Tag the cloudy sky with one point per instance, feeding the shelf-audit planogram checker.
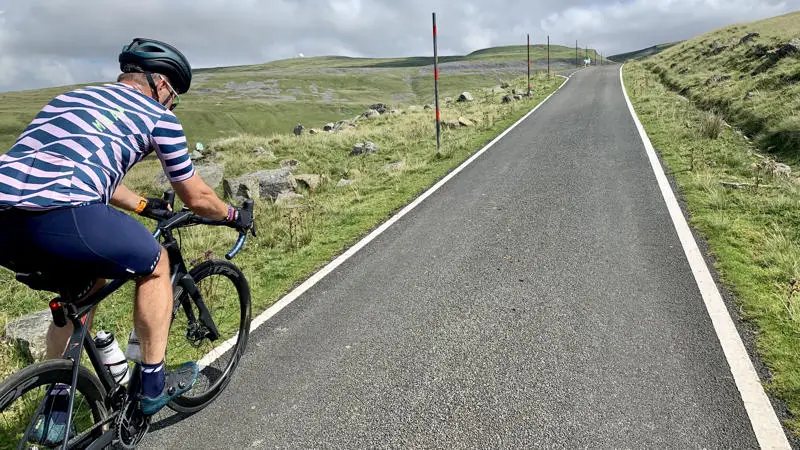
(57, 42)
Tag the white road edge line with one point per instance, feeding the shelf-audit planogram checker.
(767, 427)
(314, 279)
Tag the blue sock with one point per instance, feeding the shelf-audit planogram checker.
(153, 376)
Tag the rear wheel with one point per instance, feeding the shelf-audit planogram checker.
(225, 293)
(22, 402)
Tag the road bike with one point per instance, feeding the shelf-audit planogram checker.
(101, 411)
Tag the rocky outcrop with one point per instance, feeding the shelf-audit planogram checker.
(262, 184)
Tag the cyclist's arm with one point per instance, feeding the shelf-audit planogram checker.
(124, 198)
(171, 148)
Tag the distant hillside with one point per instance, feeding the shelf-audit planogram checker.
(643, 53)
(749, 72)
(275, 96)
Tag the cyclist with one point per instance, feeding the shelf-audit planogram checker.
(58, 179)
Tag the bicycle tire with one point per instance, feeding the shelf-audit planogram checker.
(196, 401)
(52, 371)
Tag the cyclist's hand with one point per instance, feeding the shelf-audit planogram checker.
(155, 208)
(242, 220)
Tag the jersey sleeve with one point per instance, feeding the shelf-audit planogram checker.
(171, 148)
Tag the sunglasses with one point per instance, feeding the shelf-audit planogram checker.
(177, 98)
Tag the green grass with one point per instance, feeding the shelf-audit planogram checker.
(292, 244)
(752, 231)
(758, 94)
(643, 53)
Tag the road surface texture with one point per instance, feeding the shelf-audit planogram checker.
(539, 299)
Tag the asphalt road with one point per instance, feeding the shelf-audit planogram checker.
(540, 298)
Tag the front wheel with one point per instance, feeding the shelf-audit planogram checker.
(24, 407)
(225, 294)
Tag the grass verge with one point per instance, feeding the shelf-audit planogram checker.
(747, 210)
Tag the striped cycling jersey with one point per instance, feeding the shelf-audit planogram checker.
(81, 144)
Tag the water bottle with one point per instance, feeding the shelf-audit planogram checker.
(112, 357)
(133, 351)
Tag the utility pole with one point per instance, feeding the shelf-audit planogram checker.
(576, 53)
(548, 56)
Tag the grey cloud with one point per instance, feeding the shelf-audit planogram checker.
(46, 43)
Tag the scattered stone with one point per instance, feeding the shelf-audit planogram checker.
(508, 99)
(789, 48)
(261, 184)
(748, 37)
(774, 168)
(196, 155)
(261, 152)
(30, 333)
(380, 107)
(516, 91)
(311, 181)
(497, 90)
(363, 148)
(343, 182)
(211, 173)
(313, 131)
(716, 79)
(759, 50)
(395, 166)
(290, 164)
(328, 127)
(518, 97)
(343, 124)
(298, 130)
(465, 97)
(749, 95)
(198, 146)
(450, 124)
(428, 107)
(448, 99)
(370, 113)
(395, 111)
(464, 122)
(505, 85)
(288, 199)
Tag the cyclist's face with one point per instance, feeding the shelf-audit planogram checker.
(167, 94)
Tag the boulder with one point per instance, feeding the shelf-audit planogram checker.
(30, 333)
(370, 114)
(789, 48)
(196, 156)
(450, 124)
(518, 97)
(211, 173)
(465, 97)
(313, 131)
(261, 184)
(748, 37)
(288, 199)
(464, 122)
(311, 181)
(298, 130)
(328, 127)
(363, 148)
(759, 50)
(380, 107)
(508, 99)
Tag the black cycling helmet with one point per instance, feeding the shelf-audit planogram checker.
(158, 57)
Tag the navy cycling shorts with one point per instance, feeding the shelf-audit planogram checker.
(90, 241)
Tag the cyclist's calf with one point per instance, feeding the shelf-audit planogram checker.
(153, 310)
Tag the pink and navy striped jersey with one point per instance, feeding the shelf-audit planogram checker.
(81, 144)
